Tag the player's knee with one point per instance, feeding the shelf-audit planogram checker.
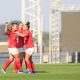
(26, 59)
(17, 59)
(11, 58)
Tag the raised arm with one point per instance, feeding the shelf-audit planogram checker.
(6, 27)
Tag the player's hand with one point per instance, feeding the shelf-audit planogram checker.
(6, 24)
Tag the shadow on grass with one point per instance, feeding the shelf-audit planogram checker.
(41, 72)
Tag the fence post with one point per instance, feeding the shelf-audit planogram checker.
(76, 57)
(67, 57)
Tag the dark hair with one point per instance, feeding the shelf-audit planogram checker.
(28, 24)
(19, 23)
(14, 23)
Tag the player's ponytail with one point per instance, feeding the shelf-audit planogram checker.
(28, 24)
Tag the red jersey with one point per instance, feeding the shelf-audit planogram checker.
(20, 40)
(12, 39)
(28, 39)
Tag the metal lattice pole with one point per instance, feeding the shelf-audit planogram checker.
(31, 12)
(54, 41)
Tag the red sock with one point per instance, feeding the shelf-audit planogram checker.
(7, 64)
(32, 65)
(15, 67)
(19, 65)
(29, 66)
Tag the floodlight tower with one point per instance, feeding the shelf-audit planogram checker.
(54, 34)
(31, 12)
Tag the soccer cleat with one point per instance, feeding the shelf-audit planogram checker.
(3, 71)
(20, 72)
(33, 71)
(29, 72)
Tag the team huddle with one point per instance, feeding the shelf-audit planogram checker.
(19, 35)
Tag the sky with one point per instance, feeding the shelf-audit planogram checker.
(11, 10)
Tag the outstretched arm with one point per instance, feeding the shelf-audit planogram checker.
(22, 35)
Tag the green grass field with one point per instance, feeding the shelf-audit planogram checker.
(46, 72)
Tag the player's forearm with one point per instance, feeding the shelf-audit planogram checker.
(23, 35)
(19, 34)
(6, 26)
(6, 29)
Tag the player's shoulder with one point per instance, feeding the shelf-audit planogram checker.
(9, 31)
(30, 31)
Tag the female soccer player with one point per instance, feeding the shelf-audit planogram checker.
(20, 45)
(29, 43)
(13, 51)
(29, 48)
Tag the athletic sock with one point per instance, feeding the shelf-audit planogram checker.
(32, 65)
(29, 66)
(15, 66)
(7, 64)
(18, 63)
